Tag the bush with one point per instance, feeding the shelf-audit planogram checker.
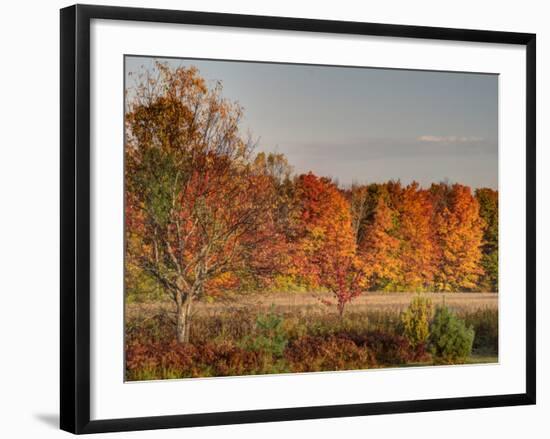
(313, 354)
(176, 360)
(450, 339)
(415, 321)
(485, 324)
(269, 335)
(389, 349)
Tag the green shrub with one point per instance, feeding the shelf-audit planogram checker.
(450, 339)
(415, 321)
(485, 324)
(269, 335)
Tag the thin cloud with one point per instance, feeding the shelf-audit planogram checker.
(449, 139)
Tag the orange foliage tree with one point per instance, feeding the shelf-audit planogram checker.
(459, 234)
(325, 251)
(197, 209)
(380, 248)
(416, 233)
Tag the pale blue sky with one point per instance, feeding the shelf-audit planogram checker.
(364, 124)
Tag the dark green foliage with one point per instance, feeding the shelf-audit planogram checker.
(485, 324)
(488, 210)
(450, 339)
(154, 177)
(269, 335)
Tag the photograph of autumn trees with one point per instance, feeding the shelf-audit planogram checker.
(284, 218)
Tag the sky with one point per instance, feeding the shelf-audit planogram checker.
(363, 125)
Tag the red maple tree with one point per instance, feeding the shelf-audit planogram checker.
(326, 252)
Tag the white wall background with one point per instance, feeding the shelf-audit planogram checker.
(29, 238)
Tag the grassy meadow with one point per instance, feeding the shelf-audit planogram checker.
(294, 332)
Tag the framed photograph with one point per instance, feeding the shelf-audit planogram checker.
(268, 219)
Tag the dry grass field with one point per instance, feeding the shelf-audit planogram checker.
(316, 302)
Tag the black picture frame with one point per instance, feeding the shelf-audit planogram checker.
(75, 217)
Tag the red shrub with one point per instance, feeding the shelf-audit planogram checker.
(389, 349)
(309, 354)
(175, 360)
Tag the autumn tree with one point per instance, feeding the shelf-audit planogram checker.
(277, 168)
(417, 247)
(344, 274)
(380, 248)
(196, 207)
(364, 201)
(488, 210)
(326, 253)
(272, 258)
(459, 235)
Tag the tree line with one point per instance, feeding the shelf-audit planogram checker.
(205, 213)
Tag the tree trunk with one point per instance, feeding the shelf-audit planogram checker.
(183, 321)
(340, 307)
